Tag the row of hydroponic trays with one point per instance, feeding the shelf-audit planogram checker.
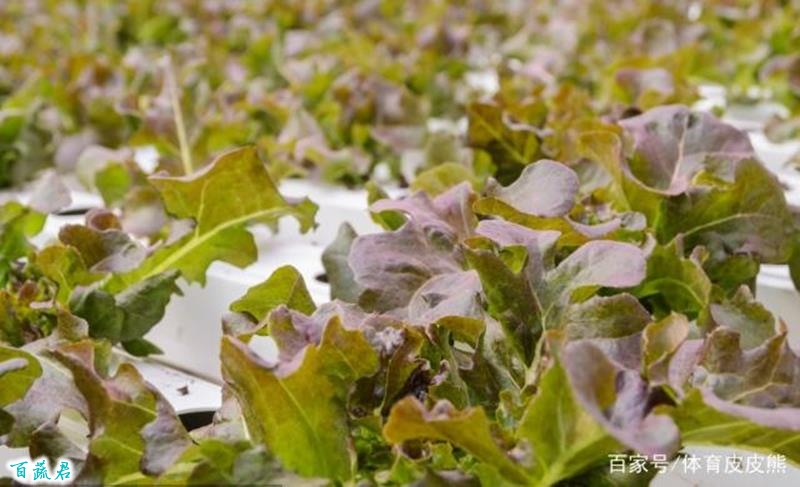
(415, 242)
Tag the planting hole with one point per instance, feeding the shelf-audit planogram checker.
(196, 419)
(73, 212)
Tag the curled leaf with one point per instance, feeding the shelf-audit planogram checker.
(469, 430)
(546, 188)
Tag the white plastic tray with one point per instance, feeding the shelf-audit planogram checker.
(745, 116)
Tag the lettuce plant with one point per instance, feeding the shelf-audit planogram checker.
(120, 284)
(595, 297)
(514, 336)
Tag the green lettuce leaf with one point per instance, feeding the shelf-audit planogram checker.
(17, 225)
(469, 429)
(298, 408)
(222, 199)
(284, 286)
(129, 315)
(565, 439)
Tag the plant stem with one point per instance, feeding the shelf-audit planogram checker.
(532, 377)
(177, 113)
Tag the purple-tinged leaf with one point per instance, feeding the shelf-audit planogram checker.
(601, 263)
(508, 234)
(545, 188)
(103, 250)
(392, 266)
(572, 233)
(449, 213)
(447, 295)
(132, 427)
(42, 403)
(660, 341)
(606, 317)
(619, 400)
(672, 143)
(742, 313)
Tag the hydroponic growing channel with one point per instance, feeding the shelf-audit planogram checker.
(399, 243)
